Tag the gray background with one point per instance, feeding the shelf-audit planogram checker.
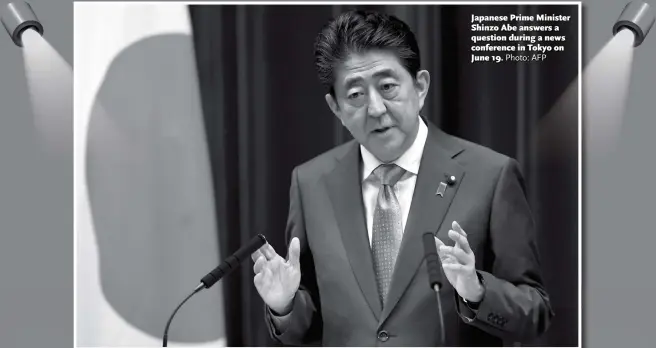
(36, 203)
(618, 233)
(36, 211)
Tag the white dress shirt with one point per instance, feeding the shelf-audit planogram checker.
(404, 188)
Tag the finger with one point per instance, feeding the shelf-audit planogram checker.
(457, 240)
(455, 267)
(268, 251)
(268, 275)
(294, 254)
(260, 280)
(257, 280)
(461, 241)
(457, 253)
(256, 255)
(259, 263)
(447, 259)
(456, 226)
(439, 244)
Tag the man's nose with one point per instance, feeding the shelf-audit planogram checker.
(376, 105)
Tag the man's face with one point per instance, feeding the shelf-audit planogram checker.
(378, 101)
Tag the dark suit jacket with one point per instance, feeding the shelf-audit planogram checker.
(338, 304)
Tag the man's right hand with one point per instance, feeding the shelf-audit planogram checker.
(277, 279)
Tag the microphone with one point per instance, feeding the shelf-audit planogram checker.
(228, 265)
(432, 262)
(233, 261)
(433, 266)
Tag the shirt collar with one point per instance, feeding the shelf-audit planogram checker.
(409, 161)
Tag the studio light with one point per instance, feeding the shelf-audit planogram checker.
(603, 108)
(638, 17)
(17, 17)
(49, 78)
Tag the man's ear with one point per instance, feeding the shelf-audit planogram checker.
(334, 107)
(421, 85)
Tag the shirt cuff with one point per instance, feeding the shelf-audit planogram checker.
(280, 323)
(469, 310)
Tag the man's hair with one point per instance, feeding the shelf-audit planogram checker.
(360, 31)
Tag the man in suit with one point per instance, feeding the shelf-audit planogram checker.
(355, 275)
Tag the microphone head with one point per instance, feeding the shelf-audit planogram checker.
(233, 261)
(433, 264)
(255, 243)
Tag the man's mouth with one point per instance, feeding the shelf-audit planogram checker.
(381, 130)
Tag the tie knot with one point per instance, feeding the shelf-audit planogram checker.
(389, 174)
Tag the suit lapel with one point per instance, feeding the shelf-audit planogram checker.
(427, 210)
(345, 190)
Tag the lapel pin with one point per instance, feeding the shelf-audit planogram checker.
(441, 189)
(451, 180)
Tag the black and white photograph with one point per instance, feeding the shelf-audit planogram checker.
(334, 174)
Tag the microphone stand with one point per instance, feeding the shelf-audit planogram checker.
(436, 287)
(166, 330)
(230, 264)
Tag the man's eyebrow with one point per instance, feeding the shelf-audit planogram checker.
(385, 73)
(350, 81)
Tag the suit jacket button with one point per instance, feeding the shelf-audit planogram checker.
(383, 336)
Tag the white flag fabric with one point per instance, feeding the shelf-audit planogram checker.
(145, 217)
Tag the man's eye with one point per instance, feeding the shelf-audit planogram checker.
(388, 87)
(354, 95)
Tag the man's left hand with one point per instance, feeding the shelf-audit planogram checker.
(459, 265)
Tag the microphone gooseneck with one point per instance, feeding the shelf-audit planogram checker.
(433, 266)
(230, 264)
(168, 323)
(439, 309)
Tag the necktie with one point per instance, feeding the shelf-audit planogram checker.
(387, 227)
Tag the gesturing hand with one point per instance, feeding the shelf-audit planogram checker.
(459, 265)
(277, 279)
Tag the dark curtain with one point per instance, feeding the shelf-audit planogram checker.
(265, 113)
